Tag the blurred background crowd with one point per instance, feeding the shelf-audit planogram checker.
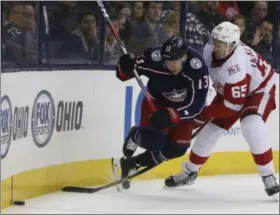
(74, 32)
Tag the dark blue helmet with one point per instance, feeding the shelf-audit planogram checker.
(173, 48)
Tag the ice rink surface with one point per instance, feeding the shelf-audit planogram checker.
(219, 194)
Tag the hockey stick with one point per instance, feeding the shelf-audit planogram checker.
(122, 46)
(114, 183)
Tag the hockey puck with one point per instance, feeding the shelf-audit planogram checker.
(19, 202)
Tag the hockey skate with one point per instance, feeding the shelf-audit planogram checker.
(129, 146)
(127, 167)
(183, 178)
(271, 186)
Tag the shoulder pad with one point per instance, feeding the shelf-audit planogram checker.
(195, 58)
(196, 63)
(193, 53)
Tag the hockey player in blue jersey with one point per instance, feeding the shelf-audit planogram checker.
(178, 83)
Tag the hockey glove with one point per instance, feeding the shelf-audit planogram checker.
(127, 63)
(165, 118)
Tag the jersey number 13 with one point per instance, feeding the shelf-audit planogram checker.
(203, 82)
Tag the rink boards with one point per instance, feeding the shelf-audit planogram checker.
(62, 128)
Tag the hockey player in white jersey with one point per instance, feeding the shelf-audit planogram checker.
(245, 86)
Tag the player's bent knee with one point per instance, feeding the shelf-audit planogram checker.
(251, 122)
(150, 138)
(171, 150)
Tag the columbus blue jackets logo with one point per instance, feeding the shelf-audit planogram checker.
(176, 95)
(156, 56)
(196, 63)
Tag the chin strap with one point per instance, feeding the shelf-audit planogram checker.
(228, 46)
(227, 50)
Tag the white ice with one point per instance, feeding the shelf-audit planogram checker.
(219, 194)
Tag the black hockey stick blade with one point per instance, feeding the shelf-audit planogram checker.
(114, 183)
(80, 189)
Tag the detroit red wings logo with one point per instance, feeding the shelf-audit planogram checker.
(176, 95)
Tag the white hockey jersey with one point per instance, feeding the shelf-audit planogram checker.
(244, 73)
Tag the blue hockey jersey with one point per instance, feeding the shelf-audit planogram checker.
(185, 91)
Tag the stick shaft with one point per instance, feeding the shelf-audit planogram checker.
(122, 46)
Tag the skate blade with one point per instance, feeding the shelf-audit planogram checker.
(178, 186)
(276, 197)
(116, 165)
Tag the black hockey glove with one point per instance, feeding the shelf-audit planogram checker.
(165, 118)
(127, 63)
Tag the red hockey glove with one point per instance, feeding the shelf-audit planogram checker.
(165, 118)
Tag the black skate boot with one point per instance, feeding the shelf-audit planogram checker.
(129, 146)
(128, 167)
(183, 178)
(271, 186)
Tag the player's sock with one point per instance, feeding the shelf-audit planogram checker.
(264, 162)
(255, 132)
(201, 150)
(195, 162)
(203, 145)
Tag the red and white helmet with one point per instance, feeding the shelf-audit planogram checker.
(226, 32)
